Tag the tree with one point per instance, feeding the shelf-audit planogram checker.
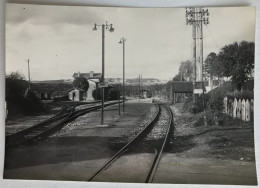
(185, 71)
(15, 85)
(15, 76)
(238, 61)
(213, 66)
(17, 103)
(177, 77)
(81, 83)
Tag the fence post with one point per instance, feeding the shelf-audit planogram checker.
(225, 103)
(230, 107)
(239, 109)
(247, 110)
(243, 110)
(252, 109)
(235, 108)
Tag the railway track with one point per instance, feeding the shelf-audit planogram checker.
(49, 126)
(152, 138)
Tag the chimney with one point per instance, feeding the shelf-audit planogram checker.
(91, 74)
(78, 74)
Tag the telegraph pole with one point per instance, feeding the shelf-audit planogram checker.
(197, 17)
(29, 84)
(118, 92)
(194, 48)
(139, 87)
(201, 45)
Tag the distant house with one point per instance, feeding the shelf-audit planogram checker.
(93, 80)
(76, 94)
(144, 93)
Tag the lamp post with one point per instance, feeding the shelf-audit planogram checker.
(108, 27)
(122, 41)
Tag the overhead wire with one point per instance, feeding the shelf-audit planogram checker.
(212, 37)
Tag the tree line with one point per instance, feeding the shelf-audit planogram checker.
(234, 61)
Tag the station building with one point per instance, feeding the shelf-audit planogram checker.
(93, 80)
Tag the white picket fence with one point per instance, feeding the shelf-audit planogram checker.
(242, 109)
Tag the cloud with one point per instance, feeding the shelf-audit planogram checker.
(157, 39)
(50, 15)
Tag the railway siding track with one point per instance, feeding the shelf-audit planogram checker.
(155, 134)
(49, 126)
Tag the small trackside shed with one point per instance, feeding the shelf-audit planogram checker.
(180, 89)
(76, 94)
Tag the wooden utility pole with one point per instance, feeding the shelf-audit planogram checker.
(139, 86)
(201, 46)
(194, 49)
(29, 79)
(197, 17)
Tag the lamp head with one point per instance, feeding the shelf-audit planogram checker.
(95, 27)
(111, 28)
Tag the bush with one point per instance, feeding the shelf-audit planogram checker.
(24, 105)
(216, 96)
(17, 104)
(196, 107)
(199, 102)
(221, 118)
(188, 104)
(241, 95)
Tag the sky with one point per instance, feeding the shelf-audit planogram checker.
(59, 40)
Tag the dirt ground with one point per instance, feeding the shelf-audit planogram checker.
(231, 141)
(195, 155)
(208, 154)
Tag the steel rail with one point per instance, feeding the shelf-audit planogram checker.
(46, 128)
(157, 158)
(131, 142)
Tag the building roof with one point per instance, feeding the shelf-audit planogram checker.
(87, 75)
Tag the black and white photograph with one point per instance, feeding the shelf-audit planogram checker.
(130, 95)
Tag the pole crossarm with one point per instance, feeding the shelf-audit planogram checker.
(193, 16)
(108, 27)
